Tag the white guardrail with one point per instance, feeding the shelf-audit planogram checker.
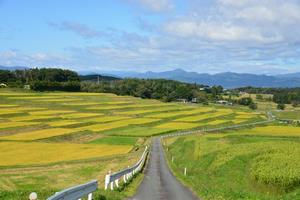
(127, 173)
(80, 191)
(76, 192)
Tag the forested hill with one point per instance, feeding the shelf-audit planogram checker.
(95, 78)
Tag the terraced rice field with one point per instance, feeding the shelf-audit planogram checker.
(260, 163)
(38, 134)
(32, 153)
(40, 131)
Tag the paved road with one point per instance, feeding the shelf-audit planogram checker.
(159, 183)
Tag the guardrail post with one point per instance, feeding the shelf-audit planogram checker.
(124, 178)
(128, 174)
(107, 180)
(117, 182)
(112, 185)
(90, 196)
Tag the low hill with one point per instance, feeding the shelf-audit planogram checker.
(95, 78)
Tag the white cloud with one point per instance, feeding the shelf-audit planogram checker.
(260, 21)
(16, 57)
(217, 31)
(78, 28)
(154, 5)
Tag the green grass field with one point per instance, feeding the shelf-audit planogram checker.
(53, 140)
(260, 163)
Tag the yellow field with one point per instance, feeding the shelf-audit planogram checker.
(58, 100)
(33, 97)
(28, 153)
(190, 111)
(80, 115)
(177, 125)
(143, 111)
(273, 131)
(109, 118)
(141, 120)
(103, 127)
(117, 124)
(217, 122)
(7, 105)
(16, 124)
(82, 104)
(120, 106)
(38, 134)
(50, 112)
(62, 123)
(106, 107)
(9, 112)
(238, 121)
(219, 113)
(29, 118)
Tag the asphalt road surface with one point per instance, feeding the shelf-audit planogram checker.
(159, 183)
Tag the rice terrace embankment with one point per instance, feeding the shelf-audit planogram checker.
(50, 141)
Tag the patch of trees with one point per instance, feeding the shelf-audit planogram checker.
(42, 79)
(165, 90)
(44, 74)
(71, 86)
(280, 95)
(247, 101)
(96, 78)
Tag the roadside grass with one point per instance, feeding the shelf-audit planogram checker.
(232, 165)
(18, 183)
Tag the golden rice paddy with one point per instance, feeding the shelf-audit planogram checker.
(273, 131)
(177, 125)
(29, 153)
(38, 134)
(80, 115)
(16, 124)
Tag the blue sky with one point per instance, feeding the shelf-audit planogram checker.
(212, 36)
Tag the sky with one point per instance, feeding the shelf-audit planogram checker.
(205, 36)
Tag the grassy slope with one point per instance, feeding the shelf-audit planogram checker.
(233, 166)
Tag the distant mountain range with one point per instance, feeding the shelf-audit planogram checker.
(227, 79)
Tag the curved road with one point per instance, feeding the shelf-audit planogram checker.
(159, 183)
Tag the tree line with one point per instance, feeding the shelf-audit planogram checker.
(165, 90)
(52, 79)
(43, 79)
(280, 95)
